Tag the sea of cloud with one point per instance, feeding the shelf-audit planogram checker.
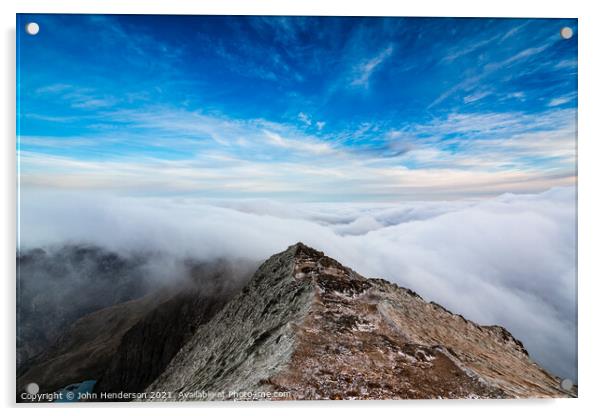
(509, 260)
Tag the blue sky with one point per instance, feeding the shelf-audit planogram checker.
(296, 108)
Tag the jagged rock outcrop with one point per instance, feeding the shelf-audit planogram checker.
(306, 327)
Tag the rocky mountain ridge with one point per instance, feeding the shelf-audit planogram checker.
(306, 327)
(303, 327)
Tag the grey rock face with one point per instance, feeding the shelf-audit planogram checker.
(249, 340)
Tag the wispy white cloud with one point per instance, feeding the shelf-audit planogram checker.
(307, 145)
(460, 154)
(566, 63)
(560, 101)
(458, 52)
(93, 103)
(326, 176)
(517, 95)
(472, 81)
(57, 142)
(53, 88)
(304, 118)
(494, 141)
(476, 97)
(78, 97)
(363, 72)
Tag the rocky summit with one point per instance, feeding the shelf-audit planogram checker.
(306, 327)
(302, 327)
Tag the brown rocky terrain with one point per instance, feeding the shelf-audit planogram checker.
(306, 327)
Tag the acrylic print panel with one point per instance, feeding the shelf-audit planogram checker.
(295, 208)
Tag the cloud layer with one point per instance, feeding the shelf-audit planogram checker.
(510, 260)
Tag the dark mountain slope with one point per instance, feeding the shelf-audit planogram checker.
(125, 346)
(58, 286)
